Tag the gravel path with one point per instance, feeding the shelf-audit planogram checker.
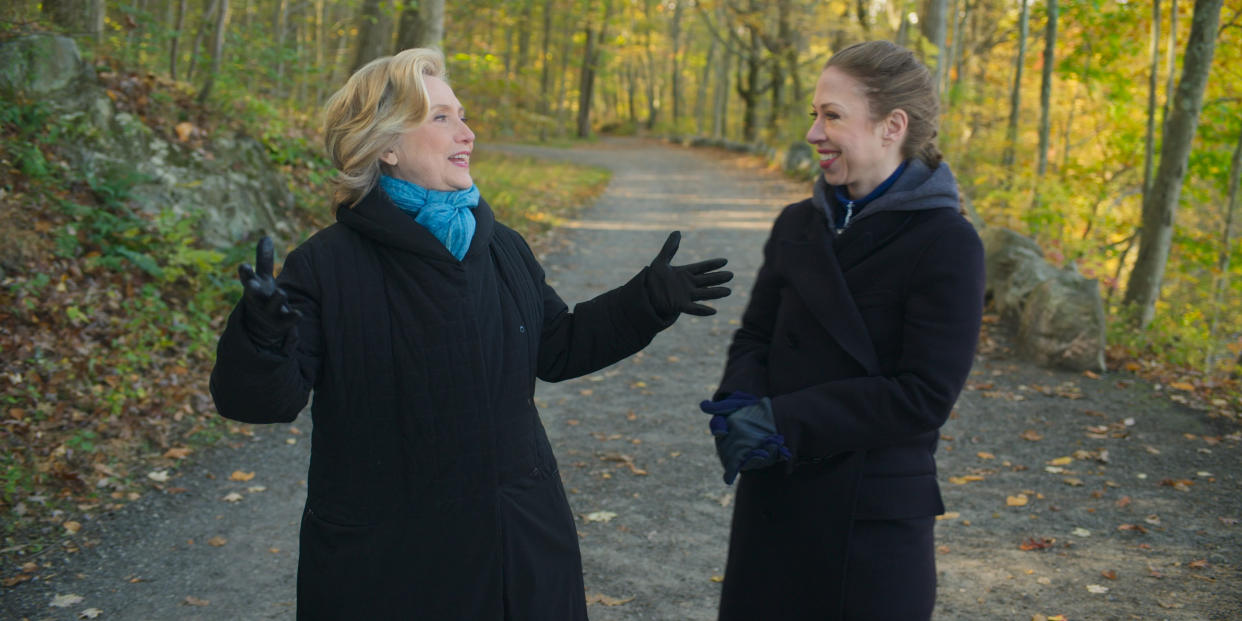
(643, 479)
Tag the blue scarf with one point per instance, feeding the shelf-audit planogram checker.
(446, 214)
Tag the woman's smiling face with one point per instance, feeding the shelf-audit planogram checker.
(436, 154)
(854, 151)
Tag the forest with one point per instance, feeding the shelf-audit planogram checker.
(1109, 131)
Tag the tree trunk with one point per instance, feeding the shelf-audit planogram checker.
(1149, 150)
(1226, 246)
(208, 14)
(374, 31)
(562, 76)
(1015, 94)
(182, 7)
(1170, 63)
(95, 20)
(281, 19)
(720, 100)
(421, 25)
(675, 78)
(70, 15)
(545, 74)
(1045, 88)
(523, 48)
(936, 29)
(1160, 205)
(700, 100)
(590, 60)
(217, 50)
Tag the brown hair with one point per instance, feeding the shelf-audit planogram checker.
(378, 103)
(892, 78)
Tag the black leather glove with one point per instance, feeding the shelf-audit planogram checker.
(677, 289)
(267, 315)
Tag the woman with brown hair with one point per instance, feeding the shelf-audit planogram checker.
(857, 339)
(420, 324)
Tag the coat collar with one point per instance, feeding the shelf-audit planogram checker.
(826, 293)
(378, 219)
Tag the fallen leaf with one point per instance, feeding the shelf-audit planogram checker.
(1016, 501)
(66, 600)
(72, 527)
(1081, 532)
(232, 497)
(1061, 461)
(1181, 485)
(1097, 589)
(190, 600)
(600, 598)
(159, 476)
(238, 475)
(1032, 435)
(1110, 574)
(90, 613)
(12, 581)
(255, 489)
(1152, 519)
(1139, 528)
(1091, 374)
(217, 541)
(965, 479)
(1186, 386)
(951, 515)
(184, 130)
(717, 578)
(599, 516)
(726, 500)
(1044, 580)
(1073, 481)
(178, 453)
(1036, 544)
(1199, 564)
(626, 460)
(1168, 604)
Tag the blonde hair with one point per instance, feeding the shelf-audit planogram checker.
(379, 102)
(892, 78)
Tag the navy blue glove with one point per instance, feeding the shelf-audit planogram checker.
(745, 430)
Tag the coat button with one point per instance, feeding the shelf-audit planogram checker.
(522, 329)
(792, 340)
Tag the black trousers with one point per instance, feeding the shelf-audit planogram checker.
(891, 574)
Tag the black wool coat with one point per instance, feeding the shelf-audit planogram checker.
(862, 340)
(433, 492)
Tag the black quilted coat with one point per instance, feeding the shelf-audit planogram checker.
(433, 492)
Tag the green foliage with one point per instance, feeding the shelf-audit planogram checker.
(516, 187)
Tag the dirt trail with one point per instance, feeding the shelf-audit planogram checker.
(643, 479)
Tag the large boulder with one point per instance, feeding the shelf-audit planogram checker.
(228, 182)
(1059, 313)
(44, 68)
(1062, 323)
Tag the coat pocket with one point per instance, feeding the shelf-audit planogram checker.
(338, 574)
(896, 498)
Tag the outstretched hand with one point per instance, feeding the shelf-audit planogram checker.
(268, 316)
(677, 289)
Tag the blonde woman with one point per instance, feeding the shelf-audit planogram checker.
(420, 324)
